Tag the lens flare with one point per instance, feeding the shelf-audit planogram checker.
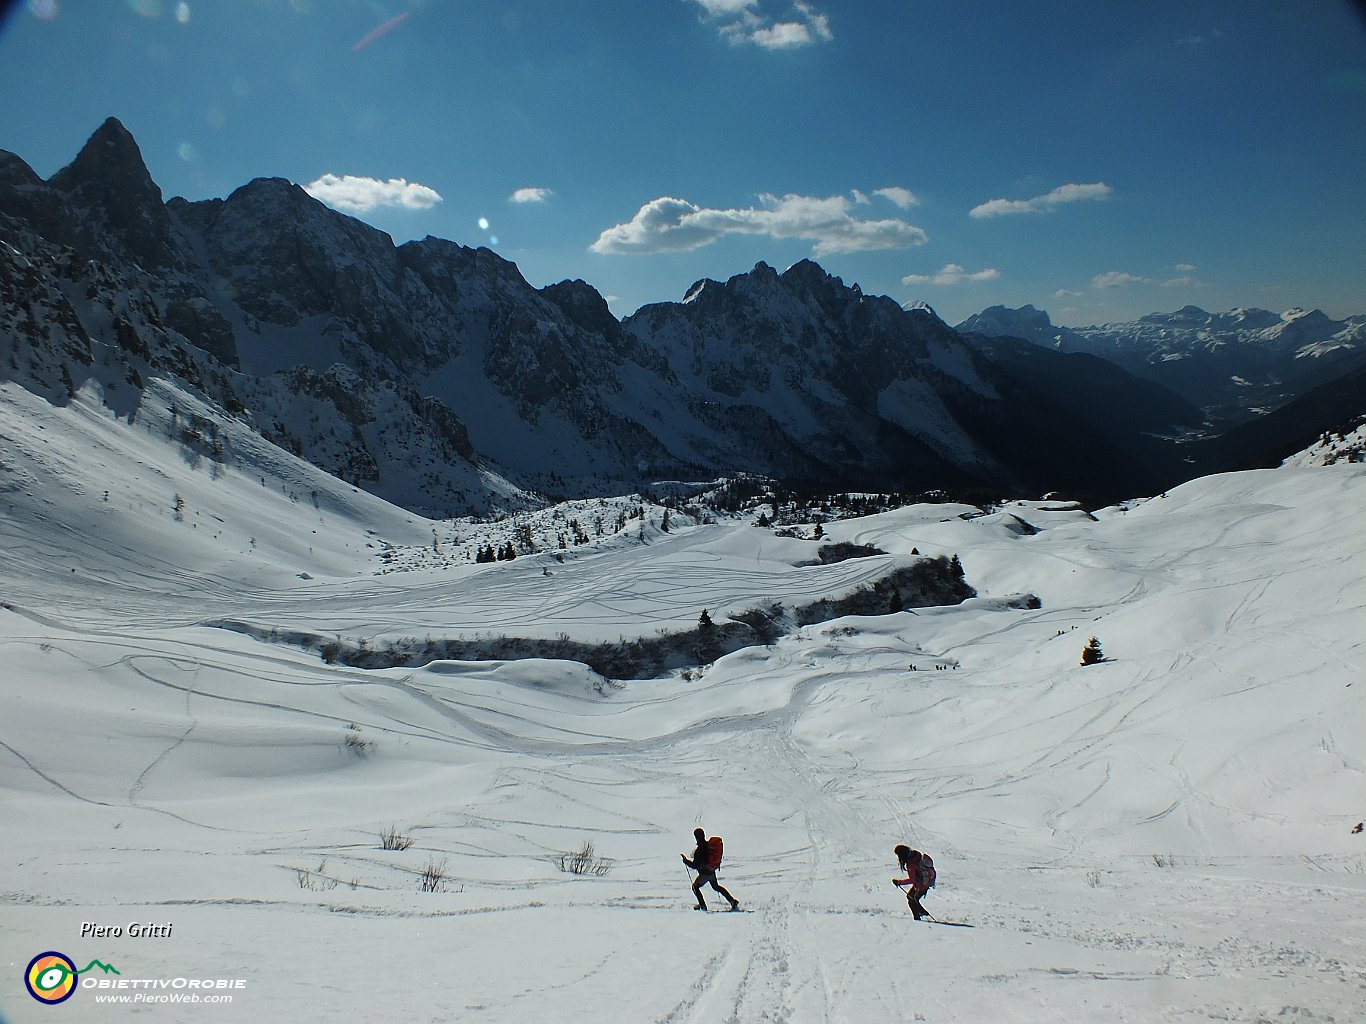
(483, 223)
(43, 10)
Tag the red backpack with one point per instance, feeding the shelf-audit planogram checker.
(926, 875)
(714, 847)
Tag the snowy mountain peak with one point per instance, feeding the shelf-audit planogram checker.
(1307, 316)
(1230, 364)
(696, 289)
(1026, 322)
(1186, 316)
(1252, 318)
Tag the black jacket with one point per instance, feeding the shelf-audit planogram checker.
(700, 858)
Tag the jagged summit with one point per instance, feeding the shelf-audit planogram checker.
(109, 163)
(583, 304)
(919, 306)
(807, 272)
(112, 202)
(15, 172)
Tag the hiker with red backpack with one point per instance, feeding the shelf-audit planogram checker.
(920, 875)
(706, 859)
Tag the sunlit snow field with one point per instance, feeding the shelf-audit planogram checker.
(1165, 836)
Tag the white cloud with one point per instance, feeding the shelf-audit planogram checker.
(859, 197)
(351, 194)
(1185, 268)
(952, 273)
(781, 36)
(1117, 279)
(1042, 204)
(667, 224)
(1065, 293)
(1184, 281)
(820, 23)
(531, 195)
(751, 21)
(902, 197)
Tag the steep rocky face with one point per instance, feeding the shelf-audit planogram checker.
(871, 390)
(67, 320)
(100, 282)
(581, 303)
(114, 205)
(809, 365)
(284, 256)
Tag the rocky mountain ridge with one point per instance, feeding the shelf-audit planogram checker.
(1235, 365)
(437, 377)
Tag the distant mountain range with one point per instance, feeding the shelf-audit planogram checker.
(1235, 365)
(435, 376)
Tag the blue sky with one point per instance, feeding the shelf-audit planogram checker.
(1098, 160)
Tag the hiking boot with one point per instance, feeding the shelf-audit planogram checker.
(734, 904)
(700, 906)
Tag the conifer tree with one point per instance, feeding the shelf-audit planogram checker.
(1091, 654)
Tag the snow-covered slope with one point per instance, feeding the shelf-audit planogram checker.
(1165, 836)
(1346, 445)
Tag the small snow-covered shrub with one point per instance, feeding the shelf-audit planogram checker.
(392, 839)
(316, 879)
(585, 861)
(355, 742)
(433, 877)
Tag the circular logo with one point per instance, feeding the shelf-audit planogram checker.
(51, 977)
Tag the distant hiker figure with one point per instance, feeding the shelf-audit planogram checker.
(705, 860)
(1359, 826)
(920, 875)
